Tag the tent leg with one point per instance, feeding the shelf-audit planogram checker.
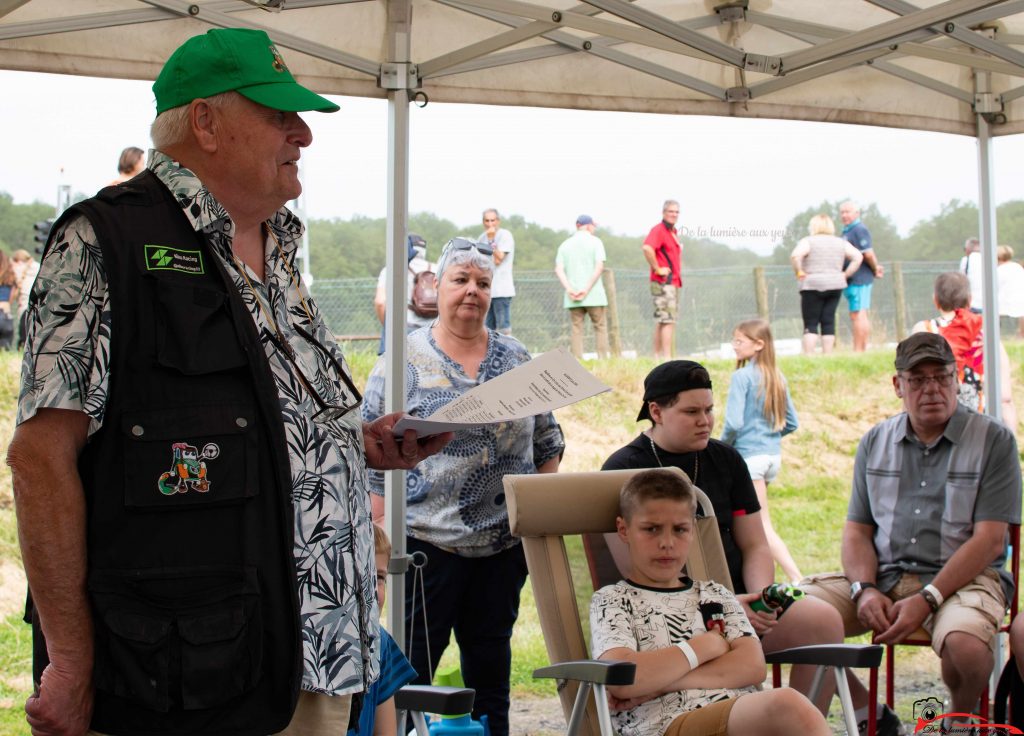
(399, 22)
(987, 236)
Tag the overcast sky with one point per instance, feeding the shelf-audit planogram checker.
(738, 180)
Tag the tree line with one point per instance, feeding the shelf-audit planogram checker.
(354, 248)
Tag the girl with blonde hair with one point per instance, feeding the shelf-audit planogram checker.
(758, 414)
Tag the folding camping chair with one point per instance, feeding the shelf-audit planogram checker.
(543, 510)
(413, 701)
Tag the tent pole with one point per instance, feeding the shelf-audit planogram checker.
(987, 235)
(399, 22)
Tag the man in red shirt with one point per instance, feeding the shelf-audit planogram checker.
(664, 254)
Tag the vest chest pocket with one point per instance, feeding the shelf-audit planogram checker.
(194, 331)
(190, 455)
(188, 638)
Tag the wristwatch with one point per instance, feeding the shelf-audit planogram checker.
(933, 602)
(858, 588)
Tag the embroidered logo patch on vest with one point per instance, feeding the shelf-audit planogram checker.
(188, 471)
(165, 258)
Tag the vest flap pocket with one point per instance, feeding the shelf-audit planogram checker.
(195, 332)
(220, 655)
(215, 627)
(190, 455)
(136, 627)
(186, 638)
(136, 657)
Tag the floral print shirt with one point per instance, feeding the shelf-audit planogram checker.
(455, 499)
(66, 367)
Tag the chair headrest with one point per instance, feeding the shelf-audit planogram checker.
(546, 504)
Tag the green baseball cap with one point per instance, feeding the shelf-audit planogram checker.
(233, 60)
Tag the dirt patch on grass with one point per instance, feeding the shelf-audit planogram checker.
(12, 588)
(588, 446)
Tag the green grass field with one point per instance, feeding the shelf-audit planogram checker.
(838, 398)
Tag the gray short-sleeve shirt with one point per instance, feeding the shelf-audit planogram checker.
(924, 500)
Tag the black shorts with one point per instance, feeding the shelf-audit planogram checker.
(819, 307)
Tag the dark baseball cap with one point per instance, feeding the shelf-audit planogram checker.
(233, 60)
(585, 220)
(921, 347)
(670, 378)
(413, 241)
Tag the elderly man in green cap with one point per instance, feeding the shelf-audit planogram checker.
(189, 463)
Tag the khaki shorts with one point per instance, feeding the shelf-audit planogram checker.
(319, 715)
(666, 302)
(711, 720)
(977, 608)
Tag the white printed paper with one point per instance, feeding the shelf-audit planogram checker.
(548, 382)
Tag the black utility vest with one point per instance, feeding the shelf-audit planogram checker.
(190, 523)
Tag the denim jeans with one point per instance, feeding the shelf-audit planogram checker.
(499, 316)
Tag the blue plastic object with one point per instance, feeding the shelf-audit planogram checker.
(457, 726)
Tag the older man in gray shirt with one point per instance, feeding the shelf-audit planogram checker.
(935, 489)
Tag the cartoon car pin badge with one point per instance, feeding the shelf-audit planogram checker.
(188, 469)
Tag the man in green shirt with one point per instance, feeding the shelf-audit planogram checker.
(578, 265)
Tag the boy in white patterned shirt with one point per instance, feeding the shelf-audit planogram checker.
(698, 660)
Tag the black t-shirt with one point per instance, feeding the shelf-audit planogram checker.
(723, 475)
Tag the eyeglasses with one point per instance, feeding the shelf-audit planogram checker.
(341, 400)
(916, 383)
(484, 249)
(333, 401)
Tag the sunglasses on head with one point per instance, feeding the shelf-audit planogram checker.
(467, 244)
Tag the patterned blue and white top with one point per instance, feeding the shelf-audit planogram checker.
(455, 498)
(66, 367)
(631, 616)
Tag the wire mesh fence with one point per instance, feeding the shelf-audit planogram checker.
(713, 301)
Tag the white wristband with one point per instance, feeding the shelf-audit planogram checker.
(935, 594)
(691, 656)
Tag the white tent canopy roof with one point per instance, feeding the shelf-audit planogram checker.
(925, 65)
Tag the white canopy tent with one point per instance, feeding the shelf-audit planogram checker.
(952, 66)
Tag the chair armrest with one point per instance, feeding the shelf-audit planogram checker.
(591, 670)
(839, 655)
(444, 701)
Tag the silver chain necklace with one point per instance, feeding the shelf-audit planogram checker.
(696, 460)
